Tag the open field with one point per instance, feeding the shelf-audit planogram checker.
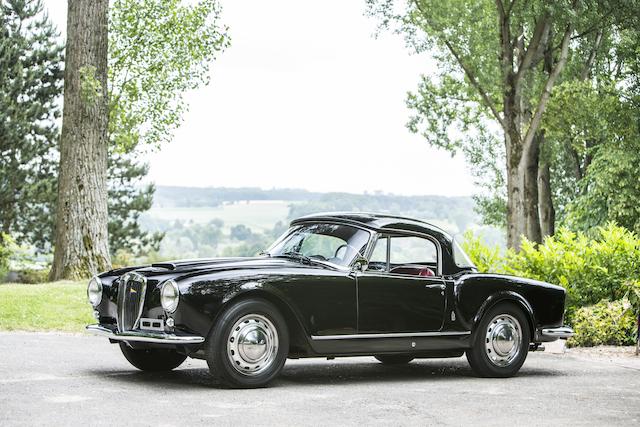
(259, 215)
(60, 306)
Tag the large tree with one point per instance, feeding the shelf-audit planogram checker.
(30, 83)
(81, 237)
(498, 63)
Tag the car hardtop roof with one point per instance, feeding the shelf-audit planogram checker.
(378, 222)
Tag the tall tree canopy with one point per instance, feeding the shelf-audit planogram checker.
(30, 84)
(158, 50)
(499, 62)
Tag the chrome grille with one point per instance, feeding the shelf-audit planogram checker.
(131, 294)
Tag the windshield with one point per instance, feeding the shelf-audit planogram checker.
(461, 259)
(335, 243)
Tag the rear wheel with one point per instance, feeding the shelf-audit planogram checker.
(501, 342)
(248, 345)
(152, 359)
(394, 359)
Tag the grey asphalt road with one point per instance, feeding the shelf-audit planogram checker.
(58, 379)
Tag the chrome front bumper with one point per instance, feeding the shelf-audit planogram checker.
(144, 336)
(555, 333)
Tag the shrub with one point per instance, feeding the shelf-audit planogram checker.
(488, 259)
(605, 323)
(33, 276)
(590, 269)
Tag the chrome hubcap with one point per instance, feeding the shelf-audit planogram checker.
(503, 340)
(252, 345)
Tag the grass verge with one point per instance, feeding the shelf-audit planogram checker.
(58, 306)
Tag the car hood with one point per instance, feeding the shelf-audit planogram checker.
(204, 266)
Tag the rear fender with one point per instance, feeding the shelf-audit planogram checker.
(505, 296)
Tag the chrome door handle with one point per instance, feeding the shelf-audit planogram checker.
(443, 287)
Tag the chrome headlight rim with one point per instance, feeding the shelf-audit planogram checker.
(94, 294)
(170, 296)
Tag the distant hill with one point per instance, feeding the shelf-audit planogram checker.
(205, 222)
(452, 212)
(195, 197)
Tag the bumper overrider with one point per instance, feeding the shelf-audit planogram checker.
(144, 336)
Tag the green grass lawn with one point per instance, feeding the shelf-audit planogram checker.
(59, 306)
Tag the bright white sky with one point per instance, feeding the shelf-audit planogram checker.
(305, 97)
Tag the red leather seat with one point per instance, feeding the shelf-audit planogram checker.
(426, 272)
(413, 270)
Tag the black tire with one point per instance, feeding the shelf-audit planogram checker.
(228, 366)
(152, 360)
(484, 348)
(394, 359)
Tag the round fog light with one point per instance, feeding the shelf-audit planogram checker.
(170, 322)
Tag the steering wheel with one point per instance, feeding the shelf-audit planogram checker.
(318, 256)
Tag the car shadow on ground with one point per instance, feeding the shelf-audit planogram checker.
(321, 372)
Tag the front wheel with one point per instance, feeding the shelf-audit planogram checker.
(153, 360)
(248, 345)
(501, 342)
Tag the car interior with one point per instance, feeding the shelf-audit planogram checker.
(404, 255)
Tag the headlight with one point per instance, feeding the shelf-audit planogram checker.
(94, 291)
(169, 296)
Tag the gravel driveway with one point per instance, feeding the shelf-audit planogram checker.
(58, 379)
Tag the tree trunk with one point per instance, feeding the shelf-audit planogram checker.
(529, 174)
(545, 198)
(81, 241)
(515, 227)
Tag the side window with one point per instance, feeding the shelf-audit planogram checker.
(378, 261)
(412, 255)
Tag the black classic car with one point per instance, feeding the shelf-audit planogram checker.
(334, 285)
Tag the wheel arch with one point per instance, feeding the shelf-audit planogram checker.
(298, 339)
(506, 296)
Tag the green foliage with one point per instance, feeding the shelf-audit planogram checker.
(591, 126)
(488, 259)
(30, 85)
(128, 199)
(610, 191)
(90, 88)
(33, 276)
(605, 323)
(6, 252)
(158, 49)
(488, 80)
(241, 232)
(591, 269)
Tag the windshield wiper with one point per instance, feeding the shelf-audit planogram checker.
(297, 256)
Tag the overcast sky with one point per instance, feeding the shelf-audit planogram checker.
(305, 97)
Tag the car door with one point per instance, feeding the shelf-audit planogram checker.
(402, 290)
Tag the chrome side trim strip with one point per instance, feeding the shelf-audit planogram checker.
(396, 335)
(140, 336)
(563, 332)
